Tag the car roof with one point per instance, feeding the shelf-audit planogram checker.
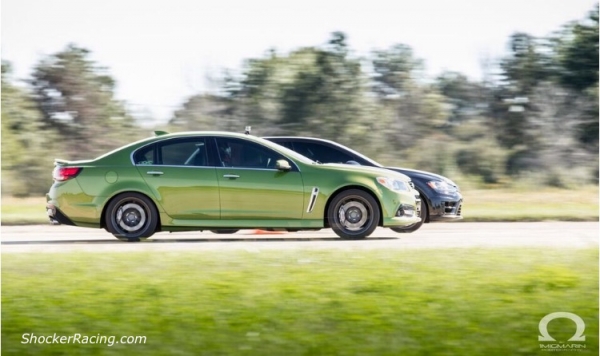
(161, 135)
(203, 133)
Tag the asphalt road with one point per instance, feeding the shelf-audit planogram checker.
(47, 238)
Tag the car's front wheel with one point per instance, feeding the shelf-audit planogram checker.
(353, 214)
(416, 226)
(131, 217)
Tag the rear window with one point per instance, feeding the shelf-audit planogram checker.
(144, 156)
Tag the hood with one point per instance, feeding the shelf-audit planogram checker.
(422, 175)
(366, 169)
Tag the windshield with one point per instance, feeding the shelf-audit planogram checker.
(370, 161)
(292, 154)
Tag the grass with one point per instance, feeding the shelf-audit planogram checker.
(451, 302)
(531, 205)
(479, 205)
(23, 211)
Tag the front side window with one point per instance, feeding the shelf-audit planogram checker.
(234, 152)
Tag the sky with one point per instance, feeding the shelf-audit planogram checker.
(162, 52)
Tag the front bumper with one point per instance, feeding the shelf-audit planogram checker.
(400, 221)
(406, 214)
(446, 210)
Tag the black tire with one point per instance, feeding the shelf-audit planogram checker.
(224, 231)
(416, 226)
(353, 214)
(131, 217)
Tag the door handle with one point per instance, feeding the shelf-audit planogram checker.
(231, 176)
(154, 173)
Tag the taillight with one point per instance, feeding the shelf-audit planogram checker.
(62, 174)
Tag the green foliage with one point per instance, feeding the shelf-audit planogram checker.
(395, 70)
(527, 65)
(67, 111)
(484, 159)
(467, 99)
(471, 130)
(206, 112)
(578, 54)
(587, 126)
(310, 89)
(76, 98)
(26, 167)
(432, 153)
(379, 302)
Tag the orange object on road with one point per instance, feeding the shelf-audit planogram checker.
(267, 232)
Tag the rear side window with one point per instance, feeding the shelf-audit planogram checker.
(187, 152)
(179, 152)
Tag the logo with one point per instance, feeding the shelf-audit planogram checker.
(551, 344)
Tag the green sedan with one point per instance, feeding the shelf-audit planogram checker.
(224, 181)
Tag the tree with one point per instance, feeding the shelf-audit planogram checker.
(395, 70)
(578, 53)
(527, 64)
(468, 99)
(414, 109)
(555, 113)
(310, 91)
(26, 169)
(206, 112)
(76, 97)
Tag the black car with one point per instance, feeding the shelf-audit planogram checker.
(440, 197)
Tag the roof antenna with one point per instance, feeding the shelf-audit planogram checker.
(247, 130)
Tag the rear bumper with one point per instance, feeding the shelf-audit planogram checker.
(56, 217)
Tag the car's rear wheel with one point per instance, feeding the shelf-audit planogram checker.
(416, 226)
(224, 231)
(131, 217)
(353, 214)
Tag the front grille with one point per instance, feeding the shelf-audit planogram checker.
(452, 208)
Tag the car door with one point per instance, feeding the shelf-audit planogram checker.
(183, 179)
(251, 187)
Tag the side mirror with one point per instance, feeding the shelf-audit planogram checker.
(283, 165)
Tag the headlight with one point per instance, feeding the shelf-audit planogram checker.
(442, 187)
(393, 184)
